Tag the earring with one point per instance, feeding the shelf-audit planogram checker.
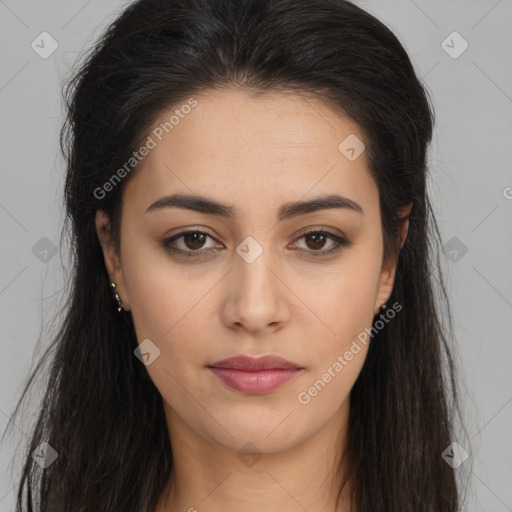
(383, 307)
(116, 296)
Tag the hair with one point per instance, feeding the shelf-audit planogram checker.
(100, 410)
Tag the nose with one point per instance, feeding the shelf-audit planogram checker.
(256, 296)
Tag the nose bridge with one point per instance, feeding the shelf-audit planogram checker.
(252, 267)
(256, 293)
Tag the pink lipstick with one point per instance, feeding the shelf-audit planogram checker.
(254, 376)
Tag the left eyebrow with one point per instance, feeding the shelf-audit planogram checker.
(294, 209)
(286, 211)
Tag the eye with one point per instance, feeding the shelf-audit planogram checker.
(191, 242)
(315, 240)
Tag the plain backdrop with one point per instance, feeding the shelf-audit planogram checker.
(462, 51)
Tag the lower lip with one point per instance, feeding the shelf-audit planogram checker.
(254, 382)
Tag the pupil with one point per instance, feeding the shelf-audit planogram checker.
(317, 239)
(196, 237)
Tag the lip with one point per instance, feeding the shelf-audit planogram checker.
(255, 376)
(249, 363)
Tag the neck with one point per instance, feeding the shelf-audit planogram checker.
(212, 477)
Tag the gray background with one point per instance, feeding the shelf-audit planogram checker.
(471, 187)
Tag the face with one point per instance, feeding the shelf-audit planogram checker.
(260, 275)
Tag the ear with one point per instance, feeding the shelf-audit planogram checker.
(111, 257)
(387, 277)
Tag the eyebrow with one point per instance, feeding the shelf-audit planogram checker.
(286, 211)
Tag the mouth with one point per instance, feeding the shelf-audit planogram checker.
(254, 382)
(255, 376)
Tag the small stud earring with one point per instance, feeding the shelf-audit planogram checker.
(116, 297)
(383, 307)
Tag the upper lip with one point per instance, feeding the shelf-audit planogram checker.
(242, 362)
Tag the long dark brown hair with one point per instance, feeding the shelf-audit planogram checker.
(101, 412)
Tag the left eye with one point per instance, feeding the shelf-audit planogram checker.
(190, 243)
(317, 240)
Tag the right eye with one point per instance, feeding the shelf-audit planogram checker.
(192, 241)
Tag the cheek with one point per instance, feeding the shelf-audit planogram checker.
(340, 351)
(343, 296)
(174, 320)
(345, 306)
(167, 307)
(153, 304)
(158, 295)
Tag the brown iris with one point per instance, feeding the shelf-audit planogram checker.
(318, 240)
(197, 238)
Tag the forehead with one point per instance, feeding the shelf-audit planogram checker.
(233, 145)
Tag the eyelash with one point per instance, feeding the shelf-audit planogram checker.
(340, 243)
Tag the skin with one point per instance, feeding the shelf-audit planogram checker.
(255, 155)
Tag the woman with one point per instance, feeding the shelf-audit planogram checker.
(251, 322)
